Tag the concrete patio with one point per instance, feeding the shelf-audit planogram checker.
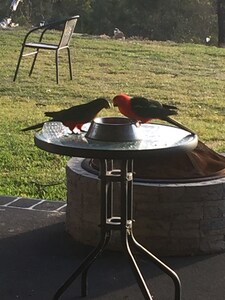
(37, 256)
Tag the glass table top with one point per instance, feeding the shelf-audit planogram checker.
(55, 138)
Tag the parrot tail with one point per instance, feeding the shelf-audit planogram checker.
(36, 126)
(179, 125)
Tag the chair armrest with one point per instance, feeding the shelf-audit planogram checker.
(42, 28)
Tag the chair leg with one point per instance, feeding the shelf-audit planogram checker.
(34, 60)
(18, 64)
(57, 65)
(70, 64)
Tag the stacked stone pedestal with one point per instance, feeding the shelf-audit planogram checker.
(170, 219)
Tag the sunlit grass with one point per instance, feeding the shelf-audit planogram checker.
(187, 75)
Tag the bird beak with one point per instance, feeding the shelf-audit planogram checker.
(107, 104)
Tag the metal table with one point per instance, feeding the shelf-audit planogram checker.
(157, 139)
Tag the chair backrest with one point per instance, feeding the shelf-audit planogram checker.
(68, 31)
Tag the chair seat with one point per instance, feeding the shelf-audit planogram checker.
(42, 46)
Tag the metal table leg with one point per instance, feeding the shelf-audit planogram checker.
(124, 223)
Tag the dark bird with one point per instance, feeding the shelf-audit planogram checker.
(142, 110)
(75, 116)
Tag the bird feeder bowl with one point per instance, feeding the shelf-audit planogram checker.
(114, 129)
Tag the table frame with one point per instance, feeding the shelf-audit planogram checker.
(110, 222)
(124, 223)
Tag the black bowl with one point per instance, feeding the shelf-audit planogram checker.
(114, 129)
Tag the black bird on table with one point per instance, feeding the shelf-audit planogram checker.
(75, 116)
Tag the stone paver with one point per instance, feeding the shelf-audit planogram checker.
(36, 204)
(37, 256)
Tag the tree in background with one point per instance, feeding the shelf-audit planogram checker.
(177, 20)
(221, 22)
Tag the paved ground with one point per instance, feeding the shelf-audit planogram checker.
(36, 256)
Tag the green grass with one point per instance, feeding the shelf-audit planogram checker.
(187, 75)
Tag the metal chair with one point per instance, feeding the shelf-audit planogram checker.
(67, 27)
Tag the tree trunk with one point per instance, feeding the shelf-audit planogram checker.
(221, 22)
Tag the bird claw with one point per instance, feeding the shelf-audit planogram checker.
(138, 124)
(76, 130)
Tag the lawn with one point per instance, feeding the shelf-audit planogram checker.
(190, 76)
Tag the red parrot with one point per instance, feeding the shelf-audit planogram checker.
(140, 109)
(75, 116)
